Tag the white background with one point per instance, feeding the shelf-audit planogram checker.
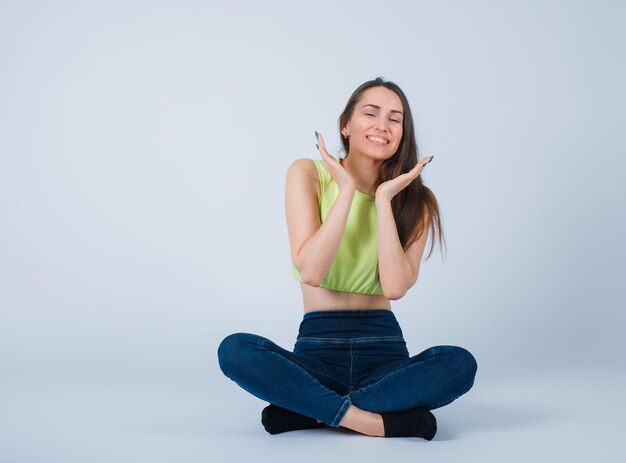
(143, 153)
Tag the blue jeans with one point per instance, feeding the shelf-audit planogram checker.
(344, 357)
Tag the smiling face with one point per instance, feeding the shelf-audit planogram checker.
(375, 127)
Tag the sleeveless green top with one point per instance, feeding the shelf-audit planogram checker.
(355, 268)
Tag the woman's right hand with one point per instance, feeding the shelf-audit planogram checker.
(341, 176)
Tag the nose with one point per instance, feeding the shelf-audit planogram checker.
(381, 124)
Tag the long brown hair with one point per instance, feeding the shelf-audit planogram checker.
(411, 204)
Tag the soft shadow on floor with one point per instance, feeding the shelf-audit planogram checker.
(453, 421)
(456, 420)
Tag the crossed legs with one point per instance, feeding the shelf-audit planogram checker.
(431, 379)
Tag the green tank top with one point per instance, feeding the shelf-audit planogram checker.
(355, 268)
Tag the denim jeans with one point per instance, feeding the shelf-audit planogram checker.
(344, 357)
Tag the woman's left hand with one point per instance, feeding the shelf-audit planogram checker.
(387, 190)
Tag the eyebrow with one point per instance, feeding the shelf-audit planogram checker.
(378, 107)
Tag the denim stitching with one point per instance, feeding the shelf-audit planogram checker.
(339, 340)
(363, 339)
(377, 339)
(344, 407)
(389, 375)
(350, 383)
(298, 367)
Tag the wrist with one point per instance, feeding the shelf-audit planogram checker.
(382, 200)
(347, 190)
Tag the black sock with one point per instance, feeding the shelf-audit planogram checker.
(277, 419)
(416, 422)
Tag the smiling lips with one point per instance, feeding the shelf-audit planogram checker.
(377, 140)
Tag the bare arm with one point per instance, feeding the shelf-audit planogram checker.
(313, 245)
(398, 269)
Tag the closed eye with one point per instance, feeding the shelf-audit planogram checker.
(368, 114)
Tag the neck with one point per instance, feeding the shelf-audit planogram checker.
(364, 171)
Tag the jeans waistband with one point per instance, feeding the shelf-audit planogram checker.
(350, 324)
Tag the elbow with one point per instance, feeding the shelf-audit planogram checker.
(398, 292)
(306, 275)
(394, 295)
(311, 280)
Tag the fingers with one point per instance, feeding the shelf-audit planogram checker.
(322, 147)
(421, 164)
(425, 161)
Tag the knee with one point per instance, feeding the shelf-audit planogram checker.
(231, 353)
(462, 363)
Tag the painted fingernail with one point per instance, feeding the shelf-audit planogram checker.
(316, 134)
(431, 158)
(317, 146)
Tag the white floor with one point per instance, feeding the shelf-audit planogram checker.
(170, 417)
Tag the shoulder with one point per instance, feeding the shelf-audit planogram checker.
(304, 165)
(305, 170)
